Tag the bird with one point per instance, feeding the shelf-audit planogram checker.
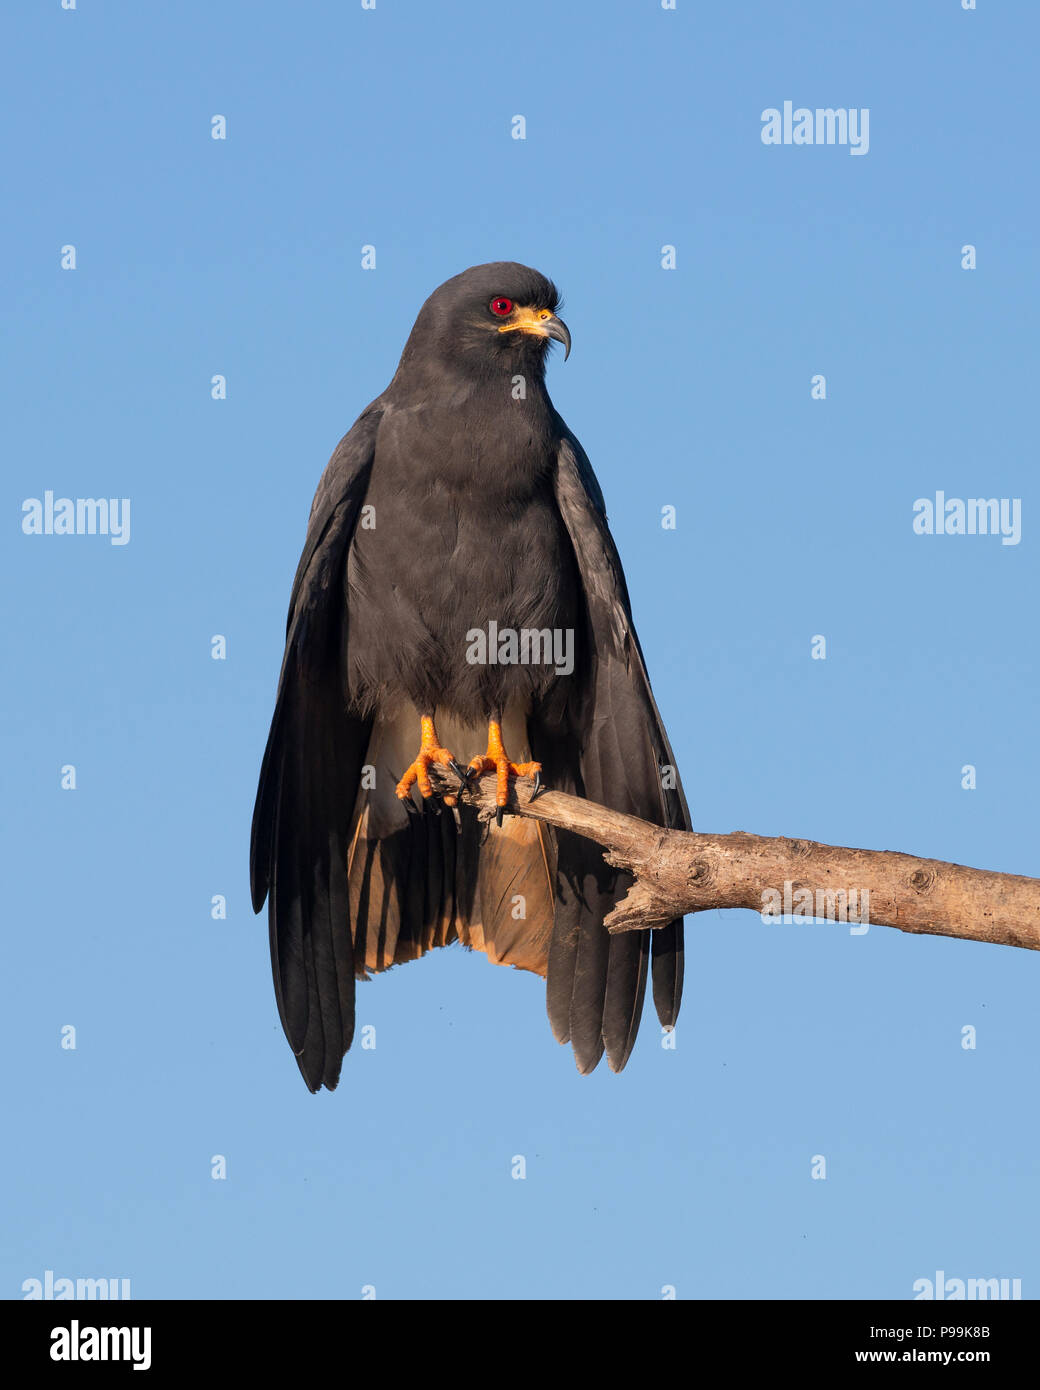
(459, 589)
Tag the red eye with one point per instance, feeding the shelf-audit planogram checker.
(502, 307)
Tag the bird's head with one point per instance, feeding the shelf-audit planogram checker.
(496, 317)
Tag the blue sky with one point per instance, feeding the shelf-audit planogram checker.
(688, 387)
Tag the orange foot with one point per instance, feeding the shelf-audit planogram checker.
(496, 759)
(430, 751)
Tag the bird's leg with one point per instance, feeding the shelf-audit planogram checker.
(430, 751)
(497, 760)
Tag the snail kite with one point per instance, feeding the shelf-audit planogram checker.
(459, 505)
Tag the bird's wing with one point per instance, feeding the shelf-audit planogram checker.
(308, 782)
(609, 744)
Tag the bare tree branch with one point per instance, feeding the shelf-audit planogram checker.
(677, 872)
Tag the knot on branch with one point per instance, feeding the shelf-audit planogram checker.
(922, 880)
(700, 873)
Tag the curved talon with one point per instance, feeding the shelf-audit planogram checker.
(496, 759)
(537, 782)
(498, 817)
(430, 751)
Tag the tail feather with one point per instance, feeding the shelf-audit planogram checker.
(419, 880)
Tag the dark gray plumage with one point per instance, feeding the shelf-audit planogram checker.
(479, 507)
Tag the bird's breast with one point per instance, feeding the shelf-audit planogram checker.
(460, 535)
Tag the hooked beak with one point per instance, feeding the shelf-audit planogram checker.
(542, 324)
(556, 328)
